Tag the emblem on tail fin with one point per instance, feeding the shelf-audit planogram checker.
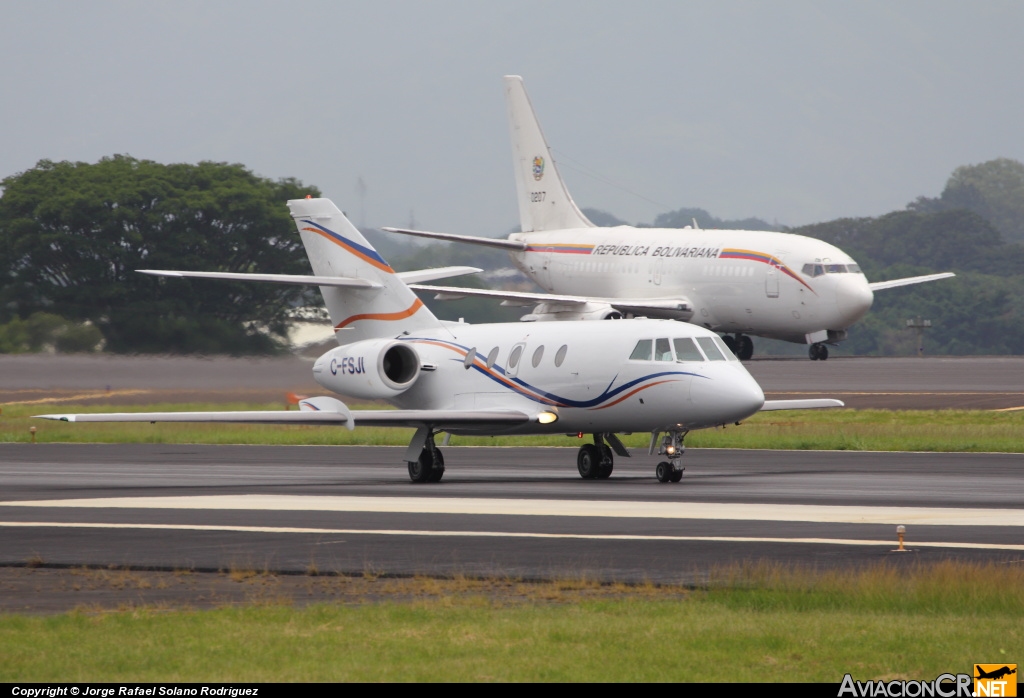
(538, 168)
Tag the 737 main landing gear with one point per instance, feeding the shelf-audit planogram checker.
(741, 345)
(594, 461)
(818, 352)
(671, 446)
(429, 467)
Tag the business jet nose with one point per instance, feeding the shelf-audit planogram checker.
(726, 393)
(853, 298)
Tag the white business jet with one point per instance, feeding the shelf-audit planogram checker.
(737, 282)
(652, 376)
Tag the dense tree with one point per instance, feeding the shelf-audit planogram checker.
(74, 233)
(994, 190)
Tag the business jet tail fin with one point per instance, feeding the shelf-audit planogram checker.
(544, 202)
(337, 249)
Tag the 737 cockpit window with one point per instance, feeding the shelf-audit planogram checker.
(813, 270)
(642, 350)
(710, 349)
(686, 350)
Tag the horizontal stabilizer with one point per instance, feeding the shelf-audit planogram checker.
(414, 277)
(298, 279)
(488, 242)
(909, 281)
(814, 404)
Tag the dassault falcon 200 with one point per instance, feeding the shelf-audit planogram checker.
(654, 376)
(737, 282)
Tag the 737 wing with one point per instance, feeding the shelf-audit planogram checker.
(672, 308)
(908, 281)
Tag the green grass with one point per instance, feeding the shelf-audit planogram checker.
(846, 429)
(753, 623)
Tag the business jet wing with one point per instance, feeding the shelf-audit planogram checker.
(309, 280)
(811, 404)
(319, 411)
(908, 281)
(636, 306)
(487, 242)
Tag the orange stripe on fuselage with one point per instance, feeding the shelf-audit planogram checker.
(400, 315)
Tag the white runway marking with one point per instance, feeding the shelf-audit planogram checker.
(918, 516)
(502, 534)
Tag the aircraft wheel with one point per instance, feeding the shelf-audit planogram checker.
(818, 352)
(744, 347)
(437, 467)
(607, 464)
(677, 475)
(588, 462)
(422, 470)
(663, 472)
(823, 353)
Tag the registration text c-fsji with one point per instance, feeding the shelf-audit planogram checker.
(944, 686)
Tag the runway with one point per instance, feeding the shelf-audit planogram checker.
(984, 382)
(505, 512)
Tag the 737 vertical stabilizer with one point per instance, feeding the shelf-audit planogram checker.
(544, 202)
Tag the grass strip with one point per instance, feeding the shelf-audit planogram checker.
(846, 429)
(749, 623)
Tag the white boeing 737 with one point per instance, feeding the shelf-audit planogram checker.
(654, 376)
(737, 282)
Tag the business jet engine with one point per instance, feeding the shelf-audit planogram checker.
(374, 369)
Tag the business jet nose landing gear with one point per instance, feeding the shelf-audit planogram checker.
(671, 446)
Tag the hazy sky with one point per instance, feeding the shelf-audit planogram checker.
(791, 111)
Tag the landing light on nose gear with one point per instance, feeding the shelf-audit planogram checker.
(671, 446)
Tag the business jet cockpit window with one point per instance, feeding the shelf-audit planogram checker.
(642, 350)
(711, 350)
(686, 350)
(663, 350)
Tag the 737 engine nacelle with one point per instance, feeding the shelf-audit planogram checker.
(575, 311)
(374, 369)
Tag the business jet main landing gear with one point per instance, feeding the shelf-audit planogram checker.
(594, 461)
(671, 446)
(429, 467)
(818, 352)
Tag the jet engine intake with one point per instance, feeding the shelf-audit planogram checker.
(373, 369)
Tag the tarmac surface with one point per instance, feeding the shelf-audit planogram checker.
(887, 383)
(222, 512)
(512, 513)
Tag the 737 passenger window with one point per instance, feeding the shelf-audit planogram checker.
(686, 350)
(642, 350)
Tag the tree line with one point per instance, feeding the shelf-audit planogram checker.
(73, 235)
